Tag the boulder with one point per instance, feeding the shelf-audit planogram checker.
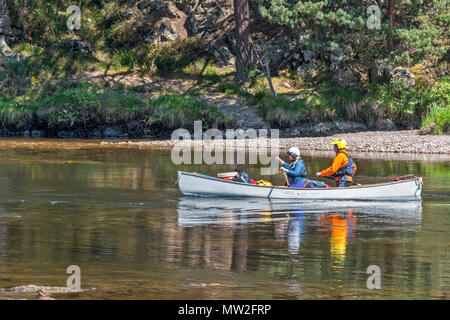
(277, 49)
(309, 55)
(346, 78)
(165, 21)
(378, 74)
(337, 60)
(323, 129)
(222, 55)
(385, 125)
(402, 75)
(4, 48)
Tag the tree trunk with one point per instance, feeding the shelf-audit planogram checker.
(244, 57)
(391, 8)
(273, 93)
(5, 27)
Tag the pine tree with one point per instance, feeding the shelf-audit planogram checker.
(410, 29)
(244, 56)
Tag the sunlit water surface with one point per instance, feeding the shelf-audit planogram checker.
(118, 215)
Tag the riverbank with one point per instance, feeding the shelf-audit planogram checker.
(407, 141)
(403, 144)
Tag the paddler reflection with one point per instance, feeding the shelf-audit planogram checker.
(291, 230)
(342, 225)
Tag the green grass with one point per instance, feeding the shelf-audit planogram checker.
(84, 109)
(437, 119)
(200, 67)
(176, 111)
(328, 103)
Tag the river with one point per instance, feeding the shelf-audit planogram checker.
(118, 215)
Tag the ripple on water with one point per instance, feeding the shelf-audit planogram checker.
(7, 215)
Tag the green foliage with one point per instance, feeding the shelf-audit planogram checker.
(126, 58)
(76, 109)
(281, 112)
(178, 54)
(419, 30)
(200, 66)
(438, 115)
(178, 111)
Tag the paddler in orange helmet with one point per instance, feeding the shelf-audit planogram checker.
(343, 167)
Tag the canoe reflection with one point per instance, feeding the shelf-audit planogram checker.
(194, 211)
(227, 224)
(336, 218)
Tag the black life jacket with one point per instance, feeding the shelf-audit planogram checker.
(242, 177)
(302, 173)
(348, 170)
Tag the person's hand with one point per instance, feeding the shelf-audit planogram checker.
(284, 169)
(279, 160)
(318, 174)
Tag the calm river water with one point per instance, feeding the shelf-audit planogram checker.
(117, 214)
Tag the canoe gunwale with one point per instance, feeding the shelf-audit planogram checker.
(381, 184)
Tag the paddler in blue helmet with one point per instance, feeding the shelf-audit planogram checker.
(295, 170)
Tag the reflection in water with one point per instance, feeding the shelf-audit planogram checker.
(295, 231)
(195, 211)
(336, 220)
(342, 230)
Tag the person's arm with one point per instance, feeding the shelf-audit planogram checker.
(337, 163)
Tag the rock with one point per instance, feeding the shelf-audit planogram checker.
(16, 57)
(78, 45)
(66, 134)
(37, 134)
(378, 74)
(402, 75)
(5, 28)
(112, 132)
(428, 129)
(128, 14)
(346, 78)
(307, 71)
(4, 48)
(159, 9)
(309, 55)
(167, 32)
(324, 128)
(209, 18)
(279, 50)
(223, 55)
(347, 50)
(385, 125)
(334, 67)
(337, 60)
(166, 21)
(44, 290)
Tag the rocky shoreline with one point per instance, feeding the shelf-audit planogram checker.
(408, 141)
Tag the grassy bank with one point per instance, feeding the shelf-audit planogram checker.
(83, 110)
(425, 107)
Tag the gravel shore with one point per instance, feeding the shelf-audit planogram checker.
(408, 141)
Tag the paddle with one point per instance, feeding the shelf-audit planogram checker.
(285, 177)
